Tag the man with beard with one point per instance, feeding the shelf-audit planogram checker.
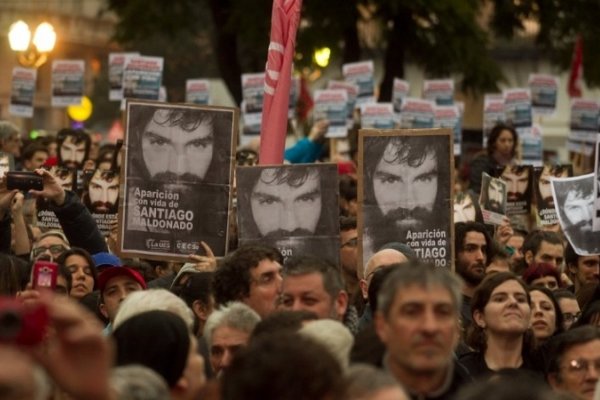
(404, 189)
(493, 196)
(465, 208)
(544, 198)
(73, 147)
(289, 207)
(516, 178)
(103, 192)
(183, 155)
(474, 251)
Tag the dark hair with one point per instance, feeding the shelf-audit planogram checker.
(83, 253)
(571, 258)
(198, 287)
(32, 148)
(232, 277)
(379, 277)
(143, 267)
(460, 233)
(303, 265)
(12, 272)
(510, 384)
(476, 337)
(304, 370)
(575, 336)
(534, 240)
(590, 312)
(564, 294)
(461, 196)
(495, 133)
(348, 187)
(559, 320)
(79, 136)
(540, 270)
(347, 223)
(284, 321)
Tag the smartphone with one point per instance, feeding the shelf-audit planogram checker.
(43, 275)
(23, 181)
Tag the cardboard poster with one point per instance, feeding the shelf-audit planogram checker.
(22, 92)
(361, 74)
(101, 197)
(467, 208)
(352, 92)
(377, 116)
(331, 104)
(176, 179)
(116, 64)
(492, 199)
(545, 209)
(517, 107)
(519, 185)
(574, 199)
(493, 114)
(142, 77)
(544, 93)
(440, 91)
(293, 208)
(197, 91)
(399, 93)
(532, 148)
(450, 117)
(67, 82)
(405, 192)
(252, 103)
(417, 114)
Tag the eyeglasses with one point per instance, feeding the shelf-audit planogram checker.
(571, 317)
(350, 243)
(581, 366)
(55, 250)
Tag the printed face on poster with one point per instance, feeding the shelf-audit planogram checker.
(492, 199)
(574, 200)
(176, 179)
(73, 148)
(292, 207)
(405, 192)
(101, 197)
(543, 191)
(466, 208)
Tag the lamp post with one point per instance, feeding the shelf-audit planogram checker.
(31, 52)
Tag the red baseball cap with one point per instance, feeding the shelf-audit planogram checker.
(111, 272)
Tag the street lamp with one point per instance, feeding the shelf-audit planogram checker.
(32, 53)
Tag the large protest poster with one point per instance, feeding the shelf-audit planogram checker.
(67, 82)
(596, 224)
(532, 148)
(584, 126)
(116, 64)
(377, 116)
(22, 92)
(517, 107)
(293, 208)
(65, 177)
(331, 104)
(176, 179)
(197, 91)
(361, 74)
(493, 113)
(417, 114)
(252, 103)
(544, 202)
(544, 93)
(440, 91)
(352, 92)
(7, 163)
(518, 179)
(492, 199)
(101, 197)
(405, 192)
(574, 200)
(142, 77)
(400, 91)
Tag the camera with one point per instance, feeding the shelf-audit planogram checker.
(25, 326)
(23, 181)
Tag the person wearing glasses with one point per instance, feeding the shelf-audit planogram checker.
(569, 307)
(575, 362)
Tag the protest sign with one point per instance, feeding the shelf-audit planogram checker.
(142, 77)
(517, 107)
(330, 104)
(197, 91)
(493, 114)
(532, 149)
(492, 199)
(22, 92)
(67, 179)
(400, 91)
(544, 93)
(584, 125)
(377, 116)
(405, 192)
(252, 103)
(361, 74)
(116, 64)
(440, 91)
(466, 207)
(177, 179)
(596, 224)
(545, 209)
(417, 114)
(67, 82)
(293, 208)
(352, 92)
(574, 199)
(449, 117)
(7, 163)
(101, 197)
(519, 184)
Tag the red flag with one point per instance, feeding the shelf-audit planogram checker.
(576, 77)
(284, 24)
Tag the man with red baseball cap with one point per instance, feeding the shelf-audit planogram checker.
(115, 284)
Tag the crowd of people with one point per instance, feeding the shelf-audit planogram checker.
(517, 315)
